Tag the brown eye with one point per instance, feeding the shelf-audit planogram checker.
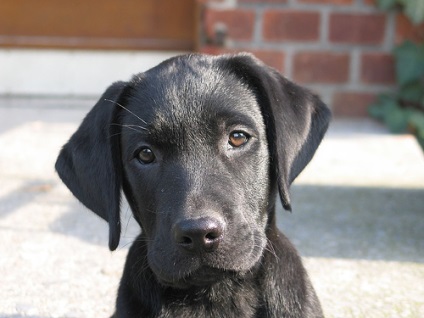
(238, 139)
(146, 155)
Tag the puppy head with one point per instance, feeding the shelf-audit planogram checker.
(199, 144)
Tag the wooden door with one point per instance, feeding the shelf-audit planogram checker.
(99, 24)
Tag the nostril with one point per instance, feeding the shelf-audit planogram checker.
(186, 240)
(202, 234)
(211, 241)
(211, 236)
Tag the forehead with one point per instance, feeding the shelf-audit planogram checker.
(190, 94)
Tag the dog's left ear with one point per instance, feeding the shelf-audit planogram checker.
(296, 119)
(90, 165)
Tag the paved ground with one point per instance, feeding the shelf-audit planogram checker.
(358, 221)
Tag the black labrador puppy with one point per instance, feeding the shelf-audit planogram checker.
(201, 146)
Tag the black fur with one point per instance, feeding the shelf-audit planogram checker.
(184, 111)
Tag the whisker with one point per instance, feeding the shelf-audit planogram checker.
(128, 218)
(122, 247)
(123, 107)
(136, 126)
(117, 134)
(135, 239)
(270, 248)
(132, 127)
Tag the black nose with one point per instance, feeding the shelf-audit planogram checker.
(199, 235)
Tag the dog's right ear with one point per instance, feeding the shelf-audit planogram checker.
(89, 164)
(296, 119)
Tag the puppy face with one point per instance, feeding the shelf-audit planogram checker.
(199, 145)
(194, 147)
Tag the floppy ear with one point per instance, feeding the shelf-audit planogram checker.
(296, 119)
(89, 164)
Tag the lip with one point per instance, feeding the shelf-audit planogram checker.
(202, 277)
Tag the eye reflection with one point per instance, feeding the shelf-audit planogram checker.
(146, 155)
(238, 139)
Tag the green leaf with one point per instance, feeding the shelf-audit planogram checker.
(412, 92)
(416, 120)
(414, 9)
(386, 4)
(409, 62)
(376, 111)
(396, 119)
(382, 105)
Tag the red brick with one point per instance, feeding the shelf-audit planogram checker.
(357, 28)
(352, 104)
(209, 1)
(405, 30)
(342, 2)
(321, 67)
(213, 50)
(272, 58)
(377, 68)
(239, 23)
(280, 25)
(262, 1)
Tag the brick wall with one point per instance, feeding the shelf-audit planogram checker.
(339, 48)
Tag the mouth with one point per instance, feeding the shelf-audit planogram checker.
(202, 277)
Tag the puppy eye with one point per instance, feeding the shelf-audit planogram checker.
(146, 155)
(238, 139)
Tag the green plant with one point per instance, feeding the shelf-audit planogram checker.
(403, 110)
(414, 9)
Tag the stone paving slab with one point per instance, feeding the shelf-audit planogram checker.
(358, 221)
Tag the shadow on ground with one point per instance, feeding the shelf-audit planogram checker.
(327, 221)
(28, 192)
(356, 222)
(82, 223)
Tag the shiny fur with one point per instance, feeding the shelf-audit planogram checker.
(184, 111)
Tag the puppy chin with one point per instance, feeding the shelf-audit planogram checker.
(194, 273)
(201, 278)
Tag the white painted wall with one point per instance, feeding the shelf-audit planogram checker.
(27, 72)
